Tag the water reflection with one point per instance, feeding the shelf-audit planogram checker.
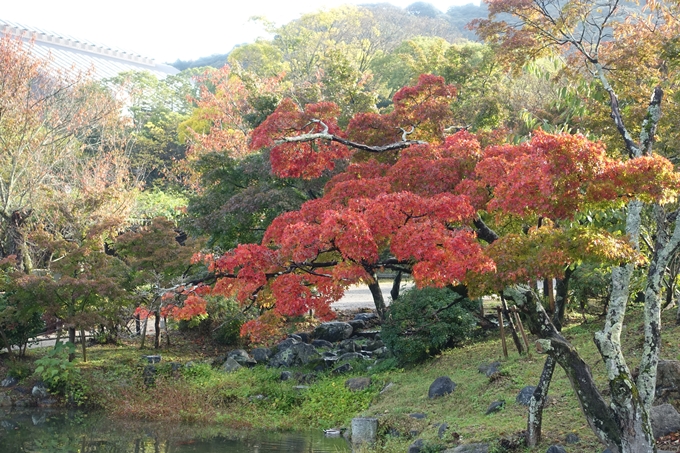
(77, 432)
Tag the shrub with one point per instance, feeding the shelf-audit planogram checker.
(423, 322)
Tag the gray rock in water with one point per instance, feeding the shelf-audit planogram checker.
(470, 448)
(572, 438)
(298, 354)
(416, 446)
(441, 386)
(39, 391)
(495, 407)
(9, 381)
(322, 344)
(261, 355)
(665, 420)
(556, 449)
(231, 365)
(242, 357)
(358, 383)
(364, 430)
(524, 395)
(333, 331)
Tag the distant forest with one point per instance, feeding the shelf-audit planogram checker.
(451, 24)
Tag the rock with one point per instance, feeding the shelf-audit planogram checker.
(295, 337)
(298, 354)
(387, 388)
(470, 448)
(342, 369)
(307, 378)
(490, 369)
(357, 324)
(418, 416)
(322, 344)
(366, 317)
(668, 379)
(242, 357)
(152, 358)
(286, 375)
(285, 344)
(495, 407)
(556, 449)
(347, 356)
(358, 383)
(373, 345)
(5, 400)
(303, 336)
(572, 438)
(442, 430)
(9, 381)
(364, 430)
(333, 331)
(261, 355)
(416, 446)
(441, 386)
(665, 420)
(39, 391)
(371, 334)
(149, 374)
(349, 346)
(231, 365)
(300, 388)
(524, 395)
(382, 353)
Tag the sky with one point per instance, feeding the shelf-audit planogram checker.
(171, 30)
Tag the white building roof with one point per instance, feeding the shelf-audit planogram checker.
(66, 52)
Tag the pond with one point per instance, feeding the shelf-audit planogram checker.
(24, 431)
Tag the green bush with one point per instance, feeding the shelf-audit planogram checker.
(423, 322)
(60, 375)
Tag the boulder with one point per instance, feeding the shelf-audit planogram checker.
(357, 324)
(347, 356)
(285, 344)
(261, 355)
(322, 344)
(342, 369)
(349, 346)
(665, 420)
(231, 365)
(358, 383)
(524, 395)
(242, 357)
(297, 354)
(149, 375)
(333, 331)
(152, 358)
(373, 345)
(470, 448)
(418, 416)
(441, 386)
(39, 391)
(9, 381)
(556, 449)
(442, 430)
(489, 369)
(417, 446)
(495, 407)
(366, 317)
(668, 380)
(572, 438)
(286, 375)
(364, 430)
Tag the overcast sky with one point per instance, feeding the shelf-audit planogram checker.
(168, 30)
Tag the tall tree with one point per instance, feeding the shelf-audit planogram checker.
(46, 119)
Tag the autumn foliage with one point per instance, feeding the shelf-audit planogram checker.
(418, 210)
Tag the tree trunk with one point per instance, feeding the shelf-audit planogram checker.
(396, 286)
(561, 299)
(513, 328)
(72, 339)
(3, 335)
(537, 403)
(378, 298)
(16, 239)
(84, 344)
(146, 323)
(157, 326)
